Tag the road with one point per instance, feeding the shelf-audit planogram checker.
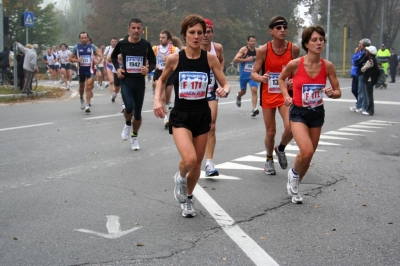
(73, 193)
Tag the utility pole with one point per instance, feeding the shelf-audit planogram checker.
(381, 28)
(328, 24)
(1, 27)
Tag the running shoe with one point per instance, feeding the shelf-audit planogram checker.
(297, 199)
(106, 85)
(61, 81)
(67, 88)
(169, 105)
(360, 110)
(180, 190)
(87, 108)
(188, 209)
(122, 108)
(366, 113)
(281, 158)
(113, 96)
(292, 185)
(54, 83)
(135, 144)
(254, 113)
(166, 124)
(269, 167)
(82, 104)
(125, 132)
(238, 101)
(353, 109)
(211, 171)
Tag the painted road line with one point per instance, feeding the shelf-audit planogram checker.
(21, 127)
(226, 177)
(237, 166)
(342, 133)
(324, 143)
(361, 126)
(244, 241)
(352, 101)
(380, 121)
(332, 137)
(250, 158)
(374, 124)
(354, 129)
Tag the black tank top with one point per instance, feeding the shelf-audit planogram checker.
(250, 53)
(187, 99)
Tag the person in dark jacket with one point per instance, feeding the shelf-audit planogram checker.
(393, 63)
(4, 58)
(20, 69)
(370, 77)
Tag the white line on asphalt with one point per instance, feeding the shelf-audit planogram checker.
(245, 242)
(352, 101)
(107, 116)
(36, 125)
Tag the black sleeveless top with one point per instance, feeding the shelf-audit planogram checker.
(191, 78)
(250, 53)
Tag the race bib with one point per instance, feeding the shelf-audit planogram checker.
(86, 61)
(312, 95)
(273, 85)
(248, 66)
(192, 85)
(134, 64)
(160, 62)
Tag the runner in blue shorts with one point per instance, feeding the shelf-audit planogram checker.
(246, 57)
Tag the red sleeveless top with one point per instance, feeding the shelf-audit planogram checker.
(271, 96)
(307, 91)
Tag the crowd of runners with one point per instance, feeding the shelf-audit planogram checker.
(292, 85)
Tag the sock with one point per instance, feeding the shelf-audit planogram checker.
(190, 196)
(134, 135)
(281, 147)
(182, 179)
(208, 161)
(128, 123)
(294, 173)
(270, 157)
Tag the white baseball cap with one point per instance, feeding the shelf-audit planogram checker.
(371, 49)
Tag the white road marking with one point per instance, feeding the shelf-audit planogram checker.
(380, 121)
(373, 124)
(113, 228)
(332, 137)
(203, 176)
(229, 165)
(244, 241)
(250, 158)
(342, 133)
(354, 129)
(362, 126)
(352, 101)
(324, 143)
(21, 127)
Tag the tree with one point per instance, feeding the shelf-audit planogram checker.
(392, 19)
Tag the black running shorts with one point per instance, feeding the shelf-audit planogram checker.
(196, 121)
(311, 117)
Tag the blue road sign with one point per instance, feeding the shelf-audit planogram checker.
(29, 19)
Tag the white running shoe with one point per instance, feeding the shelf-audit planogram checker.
(353, 109)
(87, 108)
(292, 185)
(135, 144)
(113, 96)
(180, 190)
(122, 108)
(61, 81)
(82, 104)
(297, 199)
(366, 113)
(67, 88)
(125, 132)
(188, 209)
(54, 83)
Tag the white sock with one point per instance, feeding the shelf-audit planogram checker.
(208, 161)
(182, 179)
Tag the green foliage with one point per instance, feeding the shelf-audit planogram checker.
(45, 30)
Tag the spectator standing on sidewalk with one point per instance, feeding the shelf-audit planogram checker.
(393, 63)
(4, 63)
(30, 65)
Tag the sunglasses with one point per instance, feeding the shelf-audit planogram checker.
(280, 27)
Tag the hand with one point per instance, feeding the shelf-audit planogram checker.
(144, 70)
(159, 109)
(120, 73)
(265, 77)
(288, 101)
(250, 59)
(221, 92)
(328, 91)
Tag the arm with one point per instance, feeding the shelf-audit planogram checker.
(33, 62)
(151, 58)
(333, 91)
(367, 65)
(44, 60)
(114, 60)
(215, 66)
(22, 48)
(159, 107)
(290, 68)
(260, 57)
(73, 57)
(220, 52)
(239, 56)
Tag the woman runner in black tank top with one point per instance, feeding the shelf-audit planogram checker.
(191, 117)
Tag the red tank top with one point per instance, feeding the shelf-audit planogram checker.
(271, 95)
(307, 91)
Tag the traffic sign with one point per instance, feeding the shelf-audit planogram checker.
(29, 19)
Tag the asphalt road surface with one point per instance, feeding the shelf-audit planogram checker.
(72, 192)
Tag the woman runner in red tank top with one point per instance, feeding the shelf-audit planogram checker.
(307, 110)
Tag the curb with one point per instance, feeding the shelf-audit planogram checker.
(22, 95)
